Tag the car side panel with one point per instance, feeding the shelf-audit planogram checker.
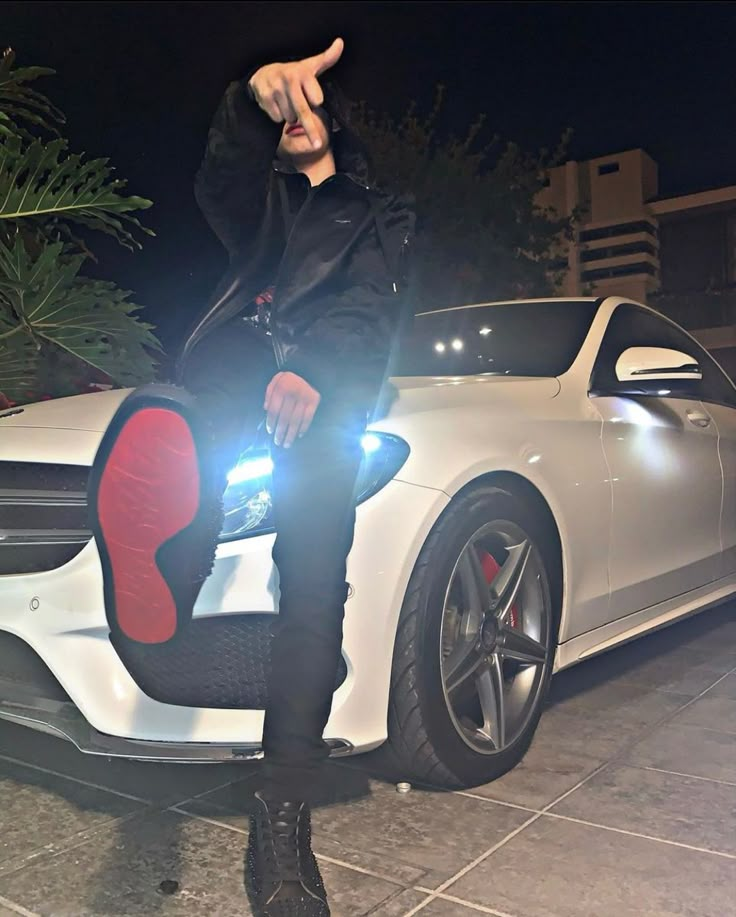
(725, 420)
(549, 436)
(666, 500)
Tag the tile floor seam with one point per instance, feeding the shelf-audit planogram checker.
(87, 783)
(722, 732)
(639, 737)
(483, 908)
(497, 802)
(646, 731)
(646, 837)
(432, 895)
(17, 908)
(616, 758)
(212, 789)
(367, 872)
(41, 853)
(662, 770)
(377, 908)
(633, 684)
(470, 866)
(320, 856)
(210, 821)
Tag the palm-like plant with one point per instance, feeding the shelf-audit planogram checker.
(51, 315)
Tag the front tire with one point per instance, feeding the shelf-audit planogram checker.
(475, 642)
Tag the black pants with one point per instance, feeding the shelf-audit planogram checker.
(314, 513)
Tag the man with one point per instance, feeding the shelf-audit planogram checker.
(299, 333)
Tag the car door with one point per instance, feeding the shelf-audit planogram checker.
(665, 472)
(718, 395)
(724, 415)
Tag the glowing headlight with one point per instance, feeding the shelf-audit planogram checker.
(247, 499)
(250, 470)
(371, 443)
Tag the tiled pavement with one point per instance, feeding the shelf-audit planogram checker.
(625, 805)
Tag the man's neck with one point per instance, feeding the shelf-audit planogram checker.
(319, 170)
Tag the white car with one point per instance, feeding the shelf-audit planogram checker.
(553, 478)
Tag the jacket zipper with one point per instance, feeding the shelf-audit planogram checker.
(277, 347)
(275, 343)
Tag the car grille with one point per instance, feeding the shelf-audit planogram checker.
(43, 515)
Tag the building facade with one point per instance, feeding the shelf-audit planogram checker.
(678, 254)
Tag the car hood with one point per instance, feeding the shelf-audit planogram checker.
(417, 394)
(92, 412)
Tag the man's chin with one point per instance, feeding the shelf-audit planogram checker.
(298, 155)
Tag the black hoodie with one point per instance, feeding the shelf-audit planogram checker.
(339, 276)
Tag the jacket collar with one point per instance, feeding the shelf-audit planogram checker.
(286, 168)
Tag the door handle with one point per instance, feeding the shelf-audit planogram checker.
(698, 418)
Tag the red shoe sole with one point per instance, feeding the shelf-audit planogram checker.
(149, 490)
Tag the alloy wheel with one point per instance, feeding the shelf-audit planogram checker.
(495, 637)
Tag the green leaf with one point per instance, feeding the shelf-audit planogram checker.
(44, 302)
(19, 360)
(20, 103)
(44, 181)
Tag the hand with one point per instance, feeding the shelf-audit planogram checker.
(289, 92)
(291, 403)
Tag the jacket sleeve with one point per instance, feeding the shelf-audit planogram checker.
(232, 182)
(352, 342)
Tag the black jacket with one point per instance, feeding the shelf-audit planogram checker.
(339, 276)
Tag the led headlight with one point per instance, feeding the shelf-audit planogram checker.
(247, 498)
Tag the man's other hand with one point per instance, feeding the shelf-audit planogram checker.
(290, 403)
(289, 92)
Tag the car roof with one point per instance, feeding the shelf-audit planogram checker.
(514, 302)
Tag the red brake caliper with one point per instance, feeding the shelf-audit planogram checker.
(491, 570)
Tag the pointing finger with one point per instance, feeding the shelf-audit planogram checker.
(328, 58)
(304, 114)
(313, 92)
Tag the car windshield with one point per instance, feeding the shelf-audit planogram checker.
(516, 339)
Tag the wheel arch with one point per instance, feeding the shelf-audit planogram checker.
(403, 716)
(553, 548)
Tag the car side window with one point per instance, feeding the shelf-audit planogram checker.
(634, 326)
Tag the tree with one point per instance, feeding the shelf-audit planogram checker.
(480, 233)
(59, 328)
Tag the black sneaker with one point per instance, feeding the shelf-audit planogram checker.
(282, 875)
(155, 512)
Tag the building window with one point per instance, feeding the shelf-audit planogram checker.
(616, 251)
(608, 168)
(623, 270)
(620, 229)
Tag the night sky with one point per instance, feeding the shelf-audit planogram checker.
(139, 82)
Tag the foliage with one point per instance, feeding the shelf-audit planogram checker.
(480, 233)
(43, 183)
(20, 105)
(59, 328)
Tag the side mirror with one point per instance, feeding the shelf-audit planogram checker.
(642, 366)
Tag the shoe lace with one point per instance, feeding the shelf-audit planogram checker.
(283, 851)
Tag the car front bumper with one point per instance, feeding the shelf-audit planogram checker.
(59, 615)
